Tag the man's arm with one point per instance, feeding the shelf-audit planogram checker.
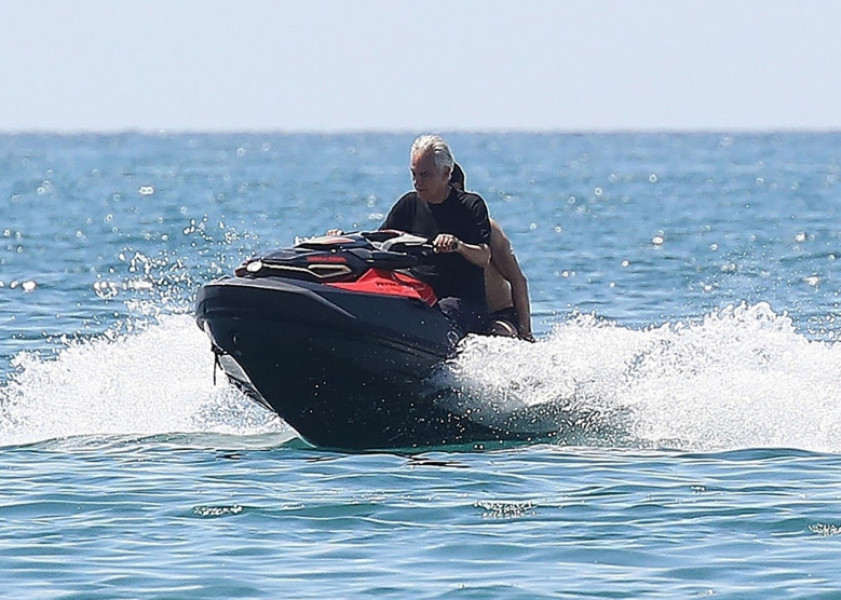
(506, 263)
(478, 254)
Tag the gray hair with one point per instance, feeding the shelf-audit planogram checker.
(442, 154)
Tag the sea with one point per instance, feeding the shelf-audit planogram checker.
(685, 296)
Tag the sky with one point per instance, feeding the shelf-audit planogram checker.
(419, 65)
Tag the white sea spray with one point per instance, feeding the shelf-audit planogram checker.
(151, 378)
(740, 377)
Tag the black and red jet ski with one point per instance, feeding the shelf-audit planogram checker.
(335, 336)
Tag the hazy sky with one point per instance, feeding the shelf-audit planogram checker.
(421, 65)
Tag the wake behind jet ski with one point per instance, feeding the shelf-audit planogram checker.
(336, 337)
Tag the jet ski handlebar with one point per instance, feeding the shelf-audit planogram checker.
(386, 240)
(399, 241)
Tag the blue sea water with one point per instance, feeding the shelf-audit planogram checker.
(685, 290)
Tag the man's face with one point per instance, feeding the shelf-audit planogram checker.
(431, 184)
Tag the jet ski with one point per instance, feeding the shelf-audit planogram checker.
(338, 338)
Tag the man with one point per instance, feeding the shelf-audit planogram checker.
(457, 223)
(506, 287)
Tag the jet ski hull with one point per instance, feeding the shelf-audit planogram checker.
(340, 380)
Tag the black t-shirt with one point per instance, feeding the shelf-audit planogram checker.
(462, 214)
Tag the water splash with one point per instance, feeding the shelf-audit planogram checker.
(142, 378)
(743, 377)
(151, 372)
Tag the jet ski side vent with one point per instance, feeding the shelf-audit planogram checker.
(312, 271)
(325, 270)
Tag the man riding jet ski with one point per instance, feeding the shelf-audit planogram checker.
(457, 223)
(339, 335)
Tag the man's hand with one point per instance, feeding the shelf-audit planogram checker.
(445, 243)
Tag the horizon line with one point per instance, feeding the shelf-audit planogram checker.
(153, 131)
